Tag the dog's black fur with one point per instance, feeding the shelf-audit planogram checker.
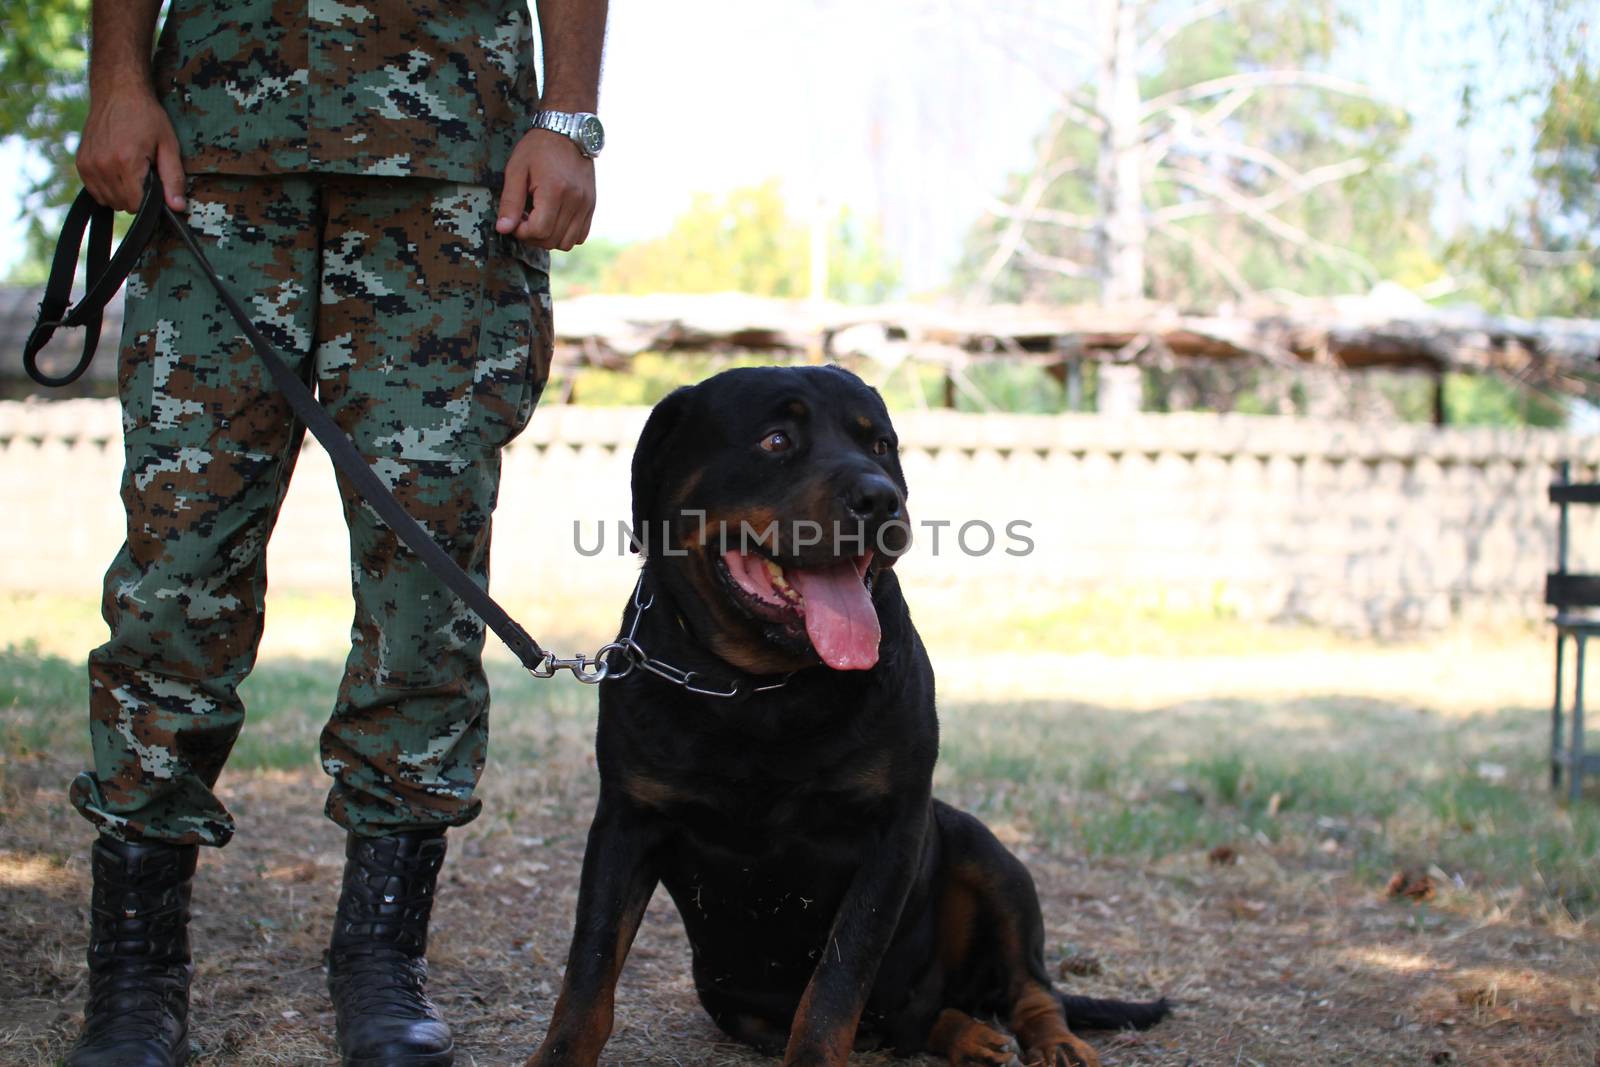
(828, 898)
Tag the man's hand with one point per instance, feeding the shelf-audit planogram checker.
(126, 132)
(548, 170)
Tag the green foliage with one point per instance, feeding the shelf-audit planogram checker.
(580, 270)
(43, 60)
(1546, 260)
(1568, 148)
(747, 241)
(1030, 388)
(649, 376)
(1478, 400)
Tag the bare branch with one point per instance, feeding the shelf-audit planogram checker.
(1185, 125)
(1543, 257)
(1209, 255)
(1071, 101)
(1040, 181)
(1059, 264)
(1256, 79)
(1083, 113)
(1250, 154)
(1151, 49)
(1297, 185)
(1064, 219)
(1206, 183)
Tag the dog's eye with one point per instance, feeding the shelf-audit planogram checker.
(880, 447)
(777, 441)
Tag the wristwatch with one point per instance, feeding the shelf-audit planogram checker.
(582, 126)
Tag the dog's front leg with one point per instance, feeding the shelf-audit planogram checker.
(824, 1028)
(617, 882)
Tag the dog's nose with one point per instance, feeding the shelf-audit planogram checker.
(873, 498)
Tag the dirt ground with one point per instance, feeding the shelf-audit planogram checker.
(1271, 964)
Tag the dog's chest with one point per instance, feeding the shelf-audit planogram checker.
(758, 808)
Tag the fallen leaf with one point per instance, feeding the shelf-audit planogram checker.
(1241, 908)
(299, 872)
(1414, 883)
(1082, 966)
(1223, 856)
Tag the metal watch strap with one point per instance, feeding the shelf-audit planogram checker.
(575, 126)
(563, 122)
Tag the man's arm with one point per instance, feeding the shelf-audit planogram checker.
(127, 128)
(546, 168)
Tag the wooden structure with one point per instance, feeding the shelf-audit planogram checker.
(1383, 331)
(1387, 329)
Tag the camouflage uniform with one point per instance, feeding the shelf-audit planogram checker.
(344, 162)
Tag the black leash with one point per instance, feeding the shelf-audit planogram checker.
(105, 275)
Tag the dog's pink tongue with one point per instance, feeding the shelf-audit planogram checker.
(840, 618)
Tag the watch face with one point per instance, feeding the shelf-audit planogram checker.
(591, 134)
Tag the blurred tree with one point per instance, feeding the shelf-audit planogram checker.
(1546, 259)
(43, 57)
(580, 270)
(746, 241)
(1208, 156)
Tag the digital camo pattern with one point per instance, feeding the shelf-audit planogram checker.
(429, 338)
(374, 87)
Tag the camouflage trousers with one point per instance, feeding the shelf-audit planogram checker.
(428, 338)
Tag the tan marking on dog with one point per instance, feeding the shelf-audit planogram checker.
(966, 1042)
(651, 792)
(877, 779)
(1041, 1027)
(685, 489)
(827, 1040)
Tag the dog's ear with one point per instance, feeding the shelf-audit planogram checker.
(649, 459)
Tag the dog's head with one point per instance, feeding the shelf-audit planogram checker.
(767, 499)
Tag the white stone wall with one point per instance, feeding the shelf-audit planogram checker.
(1374, 529)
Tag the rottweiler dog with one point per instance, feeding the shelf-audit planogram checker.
(766, 750)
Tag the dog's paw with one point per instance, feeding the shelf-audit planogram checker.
(985, 1046)
(557, 1054)
(1065, 1051)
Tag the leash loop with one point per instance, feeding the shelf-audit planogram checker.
(104, 274)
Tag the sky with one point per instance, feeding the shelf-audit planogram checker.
(913, 112)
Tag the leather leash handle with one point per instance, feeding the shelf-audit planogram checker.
(106, 274)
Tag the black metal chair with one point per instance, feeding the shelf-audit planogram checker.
(1575, 597)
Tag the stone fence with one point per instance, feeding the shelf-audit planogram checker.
(1375, 529)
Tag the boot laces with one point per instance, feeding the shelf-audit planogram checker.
(383, 981)
(134, 1002)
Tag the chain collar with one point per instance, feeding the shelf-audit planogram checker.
(592, 670)
(694, 681)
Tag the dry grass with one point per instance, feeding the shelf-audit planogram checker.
(1276, 959)
(1214, 827)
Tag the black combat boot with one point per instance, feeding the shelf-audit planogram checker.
(376, 971)
(139, 962)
